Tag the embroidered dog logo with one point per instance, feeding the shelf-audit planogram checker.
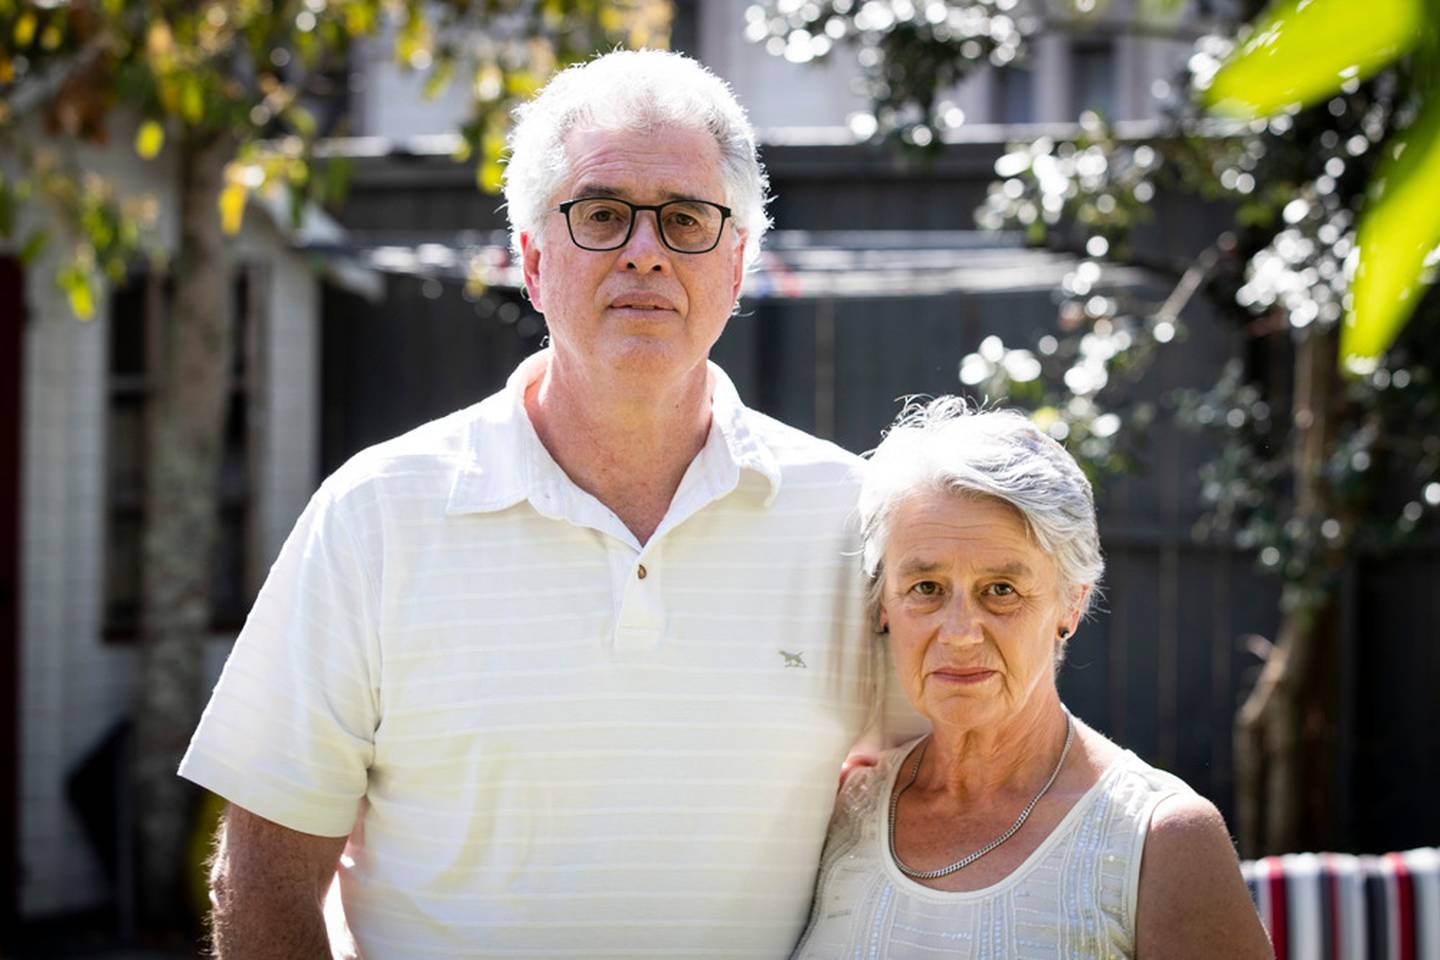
(794, 659)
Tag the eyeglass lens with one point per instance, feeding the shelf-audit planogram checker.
(603, 224)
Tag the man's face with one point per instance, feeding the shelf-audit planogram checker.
(644, 308)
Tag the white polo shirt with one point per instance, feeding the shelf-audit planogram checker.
(559, 743)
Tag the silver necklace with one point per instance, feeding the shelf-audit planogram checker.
(970, 858)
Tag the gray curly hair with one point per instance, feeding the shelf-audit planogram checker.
(945, 444)
(631, 90)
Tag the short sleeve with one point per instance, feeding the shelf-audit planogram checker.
(289, 731)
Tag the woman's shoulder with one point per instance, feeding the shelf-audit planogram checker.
(1123, 776)
(1152, 779)
(1190, 881)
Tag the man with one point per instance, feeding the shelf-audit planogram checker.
(573, 670)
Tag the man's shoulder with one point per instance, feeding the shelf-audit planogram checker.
(797, 451)
(422, 458)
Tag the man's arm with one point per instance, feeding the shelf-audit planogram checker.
(267, 889)
(1193, 904)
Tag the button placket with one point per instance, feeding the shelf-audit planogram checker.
(637, 629)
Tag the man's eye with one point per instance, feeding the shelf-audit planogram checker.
(683, 220)
(603, 216)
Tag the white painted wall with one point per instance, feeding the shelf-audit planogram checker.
(775, 92)
(392, 103)
(73, 686)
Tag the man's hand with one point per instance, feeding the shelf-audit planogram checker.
(267, 889)
(856, 760)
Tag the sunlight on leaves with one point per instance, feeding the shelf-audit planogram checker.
(1301, 51)
(1399, 230)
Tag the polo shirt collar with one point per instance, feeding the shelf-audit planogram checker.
(508, 464)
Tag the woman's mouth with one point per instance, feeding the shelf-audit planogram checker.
(963, 676)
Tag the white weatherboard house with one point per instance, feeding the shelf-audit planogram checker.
(80, 395)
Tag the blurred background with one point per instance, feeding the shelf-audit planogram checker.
(237, 245)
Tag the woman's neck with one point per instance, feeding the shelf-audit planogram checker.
(974, 766)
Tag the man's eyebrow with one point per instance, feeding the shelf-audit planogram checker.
(1014, 568)
(603, 190)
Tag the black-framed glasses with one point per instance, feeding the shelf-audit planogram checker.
(606, 223)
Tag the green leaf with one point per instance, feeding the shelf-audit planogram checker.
(439, 78)
(302, 120)
(337, 171)
(33, 246)
(75, 284)
(1301, 51)
(1400, 227)
(232, 207)
(149, 139)
(24, 31)
(491, 174)
(192, 98)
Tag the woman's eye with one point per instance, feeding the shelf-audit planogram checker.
(1000, 590)
(926, 588)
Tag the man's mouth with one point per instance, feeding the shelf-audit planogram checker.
(641, 301)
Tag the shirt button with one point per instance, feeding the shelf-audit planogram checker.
(641, 572)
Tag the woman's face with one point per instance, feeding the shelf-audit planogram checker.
(973, 607)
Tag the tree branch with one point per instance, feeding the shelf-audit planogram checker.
(37, 92)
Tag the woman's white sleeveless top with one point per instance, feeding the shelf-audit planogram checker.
(1074, 897)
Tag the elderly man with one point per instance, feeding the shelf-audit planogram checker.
(573, 670)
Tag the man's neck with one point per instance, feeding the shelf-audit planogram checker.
(628, 444)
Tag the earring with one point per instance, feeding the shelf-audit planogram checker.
(1064, 632)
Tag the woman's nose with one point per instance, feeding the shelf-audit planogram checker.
(960, 623)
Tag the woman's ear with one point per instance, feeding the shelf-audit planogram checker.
(1071, 622)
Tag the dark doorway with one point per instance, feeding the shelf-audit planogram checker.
(12, 342)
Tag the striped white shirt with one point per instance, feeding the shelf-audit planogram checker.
(550, 740)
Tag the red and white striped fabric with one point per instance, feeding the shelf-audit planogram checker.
(1332, 906)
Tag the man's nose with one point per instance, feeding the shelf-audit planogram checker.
(645, 252)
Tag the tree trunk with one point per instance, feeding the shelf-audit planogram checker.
(1274, 728)
(190, 371)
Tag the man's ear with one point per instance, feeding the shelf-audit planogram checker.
(530, 264)
(739, 278)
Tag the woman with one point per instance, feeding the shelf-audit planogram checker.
(1013, 829)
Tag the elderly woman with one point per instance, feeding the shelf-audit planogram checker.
(1013, 829)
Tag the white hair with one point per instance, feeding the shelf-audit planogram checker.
(631, 90)
(945, 445)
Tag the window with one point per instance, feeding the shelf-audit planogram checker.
(1092, 65)
(134, 315)
(1014, 95)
